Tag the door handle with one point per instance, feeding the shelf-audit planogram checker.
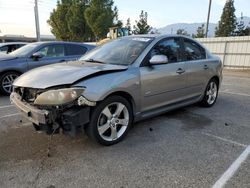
(180, 71)
(205, 67)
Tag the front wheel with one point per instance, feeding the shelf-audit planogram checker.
(211, 93)
(6, 81)
(110, 121)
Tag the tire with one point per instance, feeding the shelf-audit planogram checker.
(6, 81)
(110, 121)
(211, 93)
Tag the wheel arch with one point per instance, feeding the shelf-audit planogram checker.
(127, 96)
(10, 70)
(217, 79)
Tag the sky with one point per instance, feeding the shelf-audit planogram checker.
(17, 16)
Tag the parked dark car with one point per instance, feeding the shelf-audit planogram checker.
(114, 85)
(35, 55)
(9, 47)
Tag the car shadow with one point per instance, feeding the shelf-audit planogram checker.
(24, 143)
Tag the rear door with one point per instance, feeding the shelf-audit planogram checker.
(164, 84)
(197, 67)
(54, 53)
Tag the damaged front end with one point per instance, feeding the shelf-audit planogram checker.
(53, 110)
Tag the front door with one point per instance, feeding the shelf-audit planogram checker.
(51, 54)
(164, 84)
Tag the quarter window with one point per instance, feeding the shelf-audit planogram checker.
(170, 48)
(75, 50)
(53, 51)
(193, 51)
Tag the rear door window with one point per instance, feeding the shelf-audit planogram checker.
(12, 48)
(73, 50)
(193, 51)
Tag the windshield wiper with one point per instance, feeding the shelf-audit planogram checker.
(94, 61)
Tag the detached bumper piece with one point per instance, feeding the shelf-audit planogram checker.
(31, 113)
(71, 120)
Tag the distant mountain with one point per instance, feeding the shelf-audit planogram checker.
(191, 28)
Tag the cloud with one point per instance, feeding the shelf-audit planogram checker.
(220, 2)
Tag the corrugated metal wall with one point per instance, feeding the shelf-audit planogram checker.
(233, 51)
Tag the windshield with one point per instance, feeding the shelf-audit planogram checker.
(121, 51)
(24, 51)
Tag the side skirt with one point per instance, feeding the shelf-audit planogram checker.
(167, 108)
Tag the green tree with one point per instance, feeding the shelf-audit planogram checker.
(242, 30)
(142, 26)
(117, 22)
(128, 25)
(247, 31)
(228, 22)
(200, 32)
(68, 23)
(100, 16)
(182, 32)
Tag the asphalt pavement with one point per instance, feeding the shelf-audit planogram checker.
(188, 147)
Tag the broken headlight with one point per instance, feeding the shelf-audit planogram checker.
(58, 97)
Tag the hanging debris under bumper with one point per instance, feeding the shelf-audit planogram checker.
(70, 119)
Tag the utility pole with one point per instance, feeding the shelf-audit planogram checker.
(208, 16)
(37, 21)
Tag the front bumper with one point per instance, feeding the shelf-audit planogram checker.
(31, 113)
(70, 119)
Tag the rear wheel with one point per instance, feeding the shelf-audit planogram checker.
(211, 93)
(110, 121)
(6, 81)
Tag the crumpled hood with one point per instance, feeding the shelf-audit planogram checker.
(62, 74)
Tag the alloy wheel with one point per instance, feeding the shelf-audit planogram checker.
(7, 82)
(211, 93)
(113, 121)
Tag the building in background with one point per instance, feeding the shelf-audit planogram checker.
(22, 38)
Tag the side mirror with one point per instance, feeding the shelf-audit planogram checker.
(37, 55)
(158, 59)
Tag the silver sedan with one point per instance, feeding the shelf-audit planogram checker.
(118, 83)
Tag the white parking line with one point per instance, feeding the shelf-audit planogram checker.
(225, 140)
(10, 115)
(221, 182)
(232, 93)
(7, 106)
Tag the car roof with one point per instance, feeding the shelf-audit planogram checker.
(63, 42)
(162, 36)
(159, 36)
(11, 43)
